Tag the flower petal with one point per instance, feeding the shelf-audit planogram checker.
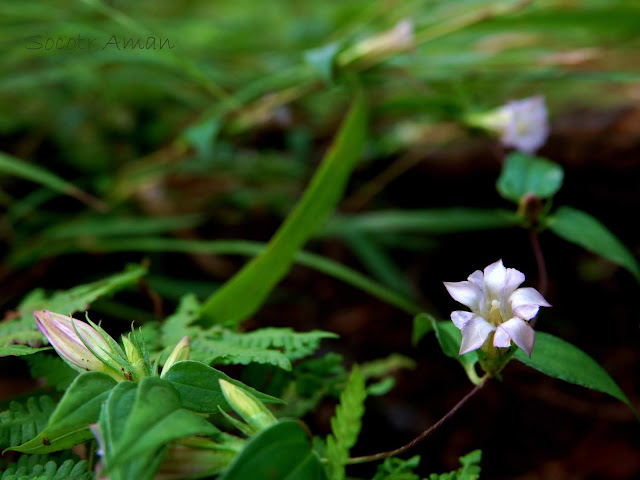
(474, 334)
(513, 280)
(461, 318)
(520, 332)
(466, 293)
(526, 301)
(495, 276)
(477, 277)
(501, 338)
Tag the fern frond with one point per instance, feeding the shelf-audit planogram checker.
(346, 424)
(43, 467)
(292, 344)
(19, 424)
(221, 352)
(470, 469)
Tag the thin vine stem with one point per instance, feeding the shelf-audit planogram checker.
(543, 276)
(423, 435)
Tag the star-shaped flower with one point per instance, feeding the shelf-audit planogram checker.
(497, 306)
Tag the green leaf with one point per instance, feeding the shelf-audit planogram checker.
(42, 467)
(582, 229)
(241, 296)
(19, 350)
(431, 221)
(133, 430)
(449, 338)
(68, 424)
(559, 359)
(20, 424)
(199, 388)
(10, 165)
(221, 352)
(282, 451)
(346, 424)
(524, 174)
(470, 469)
(293, 345)
(24, 329)
(322, 60)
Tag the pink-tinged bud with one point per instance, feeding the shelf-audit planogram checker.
(60, 331)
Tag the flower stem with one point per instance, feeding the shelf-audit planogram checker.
(543, 277)
(423, 435)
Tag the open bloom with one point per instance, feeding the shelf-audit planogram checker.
(497, 306)
(524, 125)
(521, 124)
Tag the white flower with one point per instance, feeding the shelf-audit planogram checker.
(521, 124)
(497, 306)
(524, 124)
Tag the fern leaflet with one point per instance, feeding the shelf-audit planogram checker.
(19, 424)
(43, 467)
(346, 424)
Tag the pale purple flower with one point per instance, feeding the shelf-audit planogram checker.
(524, 124)
(497, 306)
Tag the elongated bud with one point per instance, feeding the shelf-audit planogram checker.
(132, 352)
(179, 353)
(247, 406)
(78, 352)
(377, 48)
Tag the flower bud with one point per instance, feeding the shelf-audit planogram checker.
(82, 353)
(179, 353)
(377, 48)
(247, 406)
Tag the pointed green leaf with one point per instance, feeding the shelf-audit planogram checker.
(155, 418)
(241, 296)
(559, 359)
(282, 451)
(199, 387)
(582, 229)
(524, 174)
(68, 424)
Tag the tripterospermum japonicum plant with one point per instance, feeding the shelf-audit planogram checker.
(159, 403)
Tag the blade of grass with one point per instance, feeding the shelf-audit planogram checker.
(246, 291)
(11, 165)
(229, 247)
